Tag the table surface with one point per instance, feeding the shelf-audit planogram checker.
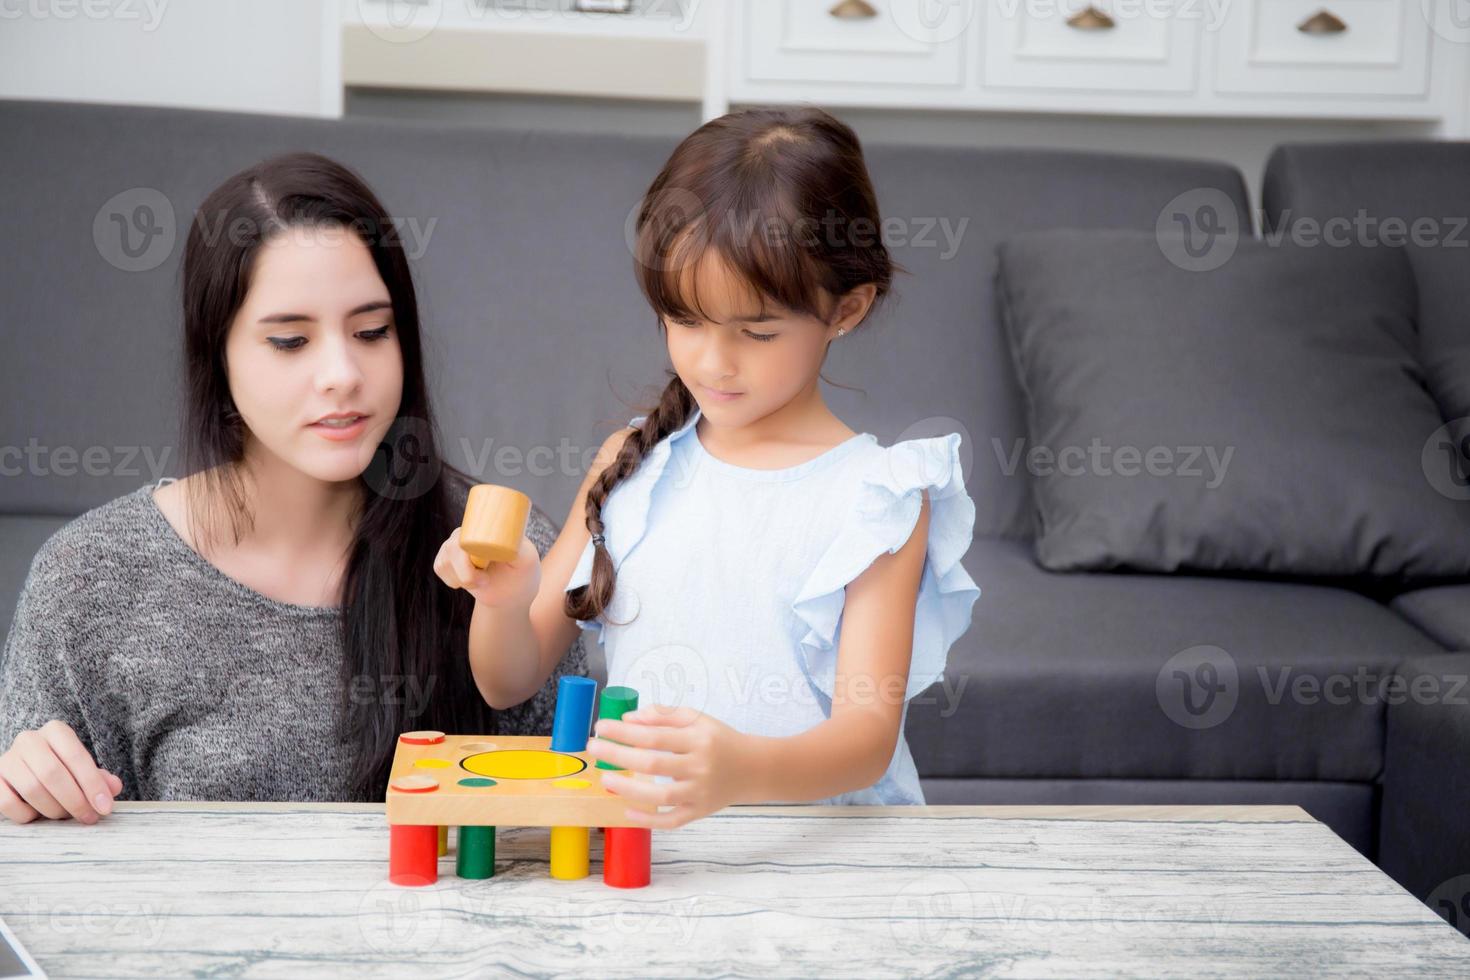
(287, 889)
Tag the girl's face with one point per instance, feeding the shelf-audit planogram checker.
(312, 356)
(766, 358)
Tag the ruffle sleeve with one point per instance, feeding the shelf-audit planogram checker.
(625, 513)
(885, 514)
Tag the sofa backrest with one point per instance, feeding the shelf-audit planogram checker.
(1409, 195)
(538, 336)
(1380, 179)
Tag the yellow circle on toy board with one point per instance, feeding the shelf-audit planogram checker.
(523, 764)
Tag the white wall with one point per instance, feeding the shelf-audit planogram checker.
(272, 56)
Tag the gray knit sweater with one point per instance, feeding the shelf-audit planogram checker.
(187, 684)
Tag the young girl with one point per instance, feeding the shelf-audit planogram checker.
(775, 585)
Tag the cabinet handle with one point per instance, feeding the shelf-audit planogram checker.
(1322, 22)
(853, 10)
(1091, 19)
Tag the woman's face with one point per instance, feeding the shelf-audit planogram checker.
(312, 356)
(767, 357)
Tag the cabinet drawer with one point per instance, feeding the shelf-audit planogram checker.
(1325, 47)
(877, 42)
(1120, 45)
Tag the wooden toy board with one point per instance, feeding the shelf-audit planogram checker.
(500, 780)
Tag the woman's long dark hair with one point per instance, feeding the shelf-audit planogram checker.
(783, 196)
(400, 627)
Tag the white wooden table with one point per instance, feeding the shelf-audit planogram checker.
(287, 890)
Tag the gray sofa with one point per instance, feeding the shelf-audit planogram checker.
(539, 338)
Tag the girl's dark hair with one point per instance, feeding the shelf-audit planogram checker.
(399, 626)
(783, 197)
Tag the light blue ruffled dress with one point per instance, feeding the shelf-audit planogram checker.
(731, 580)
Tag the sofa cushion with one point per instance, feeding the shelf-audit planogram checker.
(1442, 276)
(1085, 676)
(1443, 613)
(1410, 194)
(1263, 416)
(1426, 786)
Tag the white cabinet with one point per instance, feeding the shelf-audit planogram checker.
(1335, 48)
(1121, 45)
(1304, 59)
(829, 41)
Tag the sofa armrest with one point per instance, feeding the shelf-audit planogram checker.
(1423, 834)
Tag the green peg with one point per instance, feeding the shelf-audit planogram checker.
(614, 703)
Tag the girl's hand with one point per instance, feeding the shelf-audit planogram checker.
(48, 772)
(504, 584)
(711, 763)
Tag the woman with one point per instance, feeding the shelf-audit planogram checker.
(263, 628)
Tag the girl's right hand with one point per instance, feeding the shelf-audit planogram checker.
(48, 772)
(502, 585)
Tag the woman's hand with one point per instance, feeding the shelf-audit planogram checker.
(712, 764)
(48, 772)
(503, 584)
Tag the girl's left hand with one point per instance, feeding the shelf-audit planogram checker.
(710, 762)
